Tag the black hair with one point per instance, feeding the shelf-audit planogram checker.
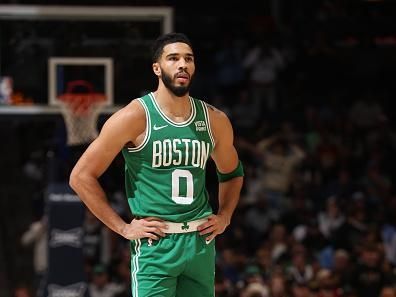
(163, 40)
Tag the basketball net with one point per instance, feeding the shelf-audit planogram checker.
(80, 113)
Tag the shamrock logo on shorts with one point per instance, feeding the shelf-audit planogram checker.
(185, 226)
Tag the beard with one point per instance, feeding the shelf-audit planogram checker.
(178, 91)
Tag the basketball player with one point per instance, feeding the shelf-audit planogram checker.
(166, 138)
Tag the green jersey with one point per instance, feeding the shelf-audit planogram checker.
(165, 174)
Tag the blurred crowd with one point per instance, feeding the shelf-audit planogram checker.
(309, 97)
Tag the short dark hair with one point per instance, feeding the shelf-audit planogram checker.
(163, 40)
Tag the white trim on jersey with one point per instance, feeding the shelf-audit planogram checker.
(148, 129)
(135, 261)
(168, 120)
(207, 119)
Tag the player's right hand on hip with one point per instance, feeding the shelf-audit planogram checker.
(144, 228)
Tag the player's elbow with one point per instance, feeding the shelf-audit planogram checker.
(74, 179)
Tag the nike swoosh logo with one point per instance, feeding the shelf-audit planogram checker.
(159, 127)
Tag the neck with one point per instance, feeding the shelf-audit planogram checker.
(166, 94)
(177, 108)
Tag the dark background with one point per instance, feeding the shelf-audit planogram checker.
(332, 97)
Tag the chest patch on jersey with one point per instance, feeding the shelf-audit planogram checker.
(200, 126)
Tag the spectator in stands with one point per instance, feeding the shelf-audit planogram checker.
(369, 278)
(277, 285)
(36, 235)
(263, 62)
(255, 290)
(300, 270)
(278, 242)
(101, 285)
(327, 286)
(351, 234)
(342, 268)
(259, 218)
(280, 158)
(232, 264)
(327, 156)
(331, 219)
(264, 261)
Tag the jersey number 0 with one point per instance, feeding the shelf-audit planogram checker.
(177, 176)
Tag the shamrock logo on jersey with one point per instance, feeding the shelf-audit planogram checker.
(185, 226)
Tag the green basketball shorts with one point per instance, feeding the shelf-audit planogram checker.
(177, 265)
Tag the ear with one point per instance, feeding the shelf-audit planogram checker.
(156, 69)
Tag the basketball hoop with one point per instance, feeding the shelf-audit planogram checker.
(80, 111)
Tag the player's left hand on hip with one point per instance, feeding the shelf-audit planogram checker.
(215, 225)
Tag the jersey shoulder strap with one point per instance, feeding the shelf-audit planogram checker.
(203, 118)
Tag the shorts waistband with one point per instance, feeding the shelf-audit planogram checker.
(185, 227)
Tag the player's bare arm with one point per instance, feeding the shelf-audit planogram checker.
(226, 159)
(125, 127)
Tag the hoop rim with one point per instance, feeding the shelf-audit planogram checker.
(80, 104)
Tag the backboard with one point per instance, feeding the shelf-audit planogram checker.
(112, 42)
(80, 75)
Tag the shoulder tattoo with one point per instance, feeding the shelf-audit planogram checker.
(211, 107)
